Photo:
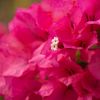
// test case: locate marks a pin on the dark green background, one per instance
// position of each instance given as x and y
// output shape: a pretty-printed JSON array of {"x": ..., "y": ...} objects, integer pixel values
[{"x": 8, "y": 8}]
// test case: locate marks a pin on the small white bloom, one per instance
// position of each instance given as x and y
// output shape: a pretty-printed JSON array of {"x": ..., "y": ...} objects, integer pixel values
[
  {"x": 54, "y": 43},
  {"x": 55, "y": 40}
]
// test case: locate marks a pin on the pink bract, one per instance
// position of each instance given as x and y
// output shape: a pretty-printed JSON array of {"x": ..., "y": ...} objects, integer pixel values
[{"x": 52, "y": 52}]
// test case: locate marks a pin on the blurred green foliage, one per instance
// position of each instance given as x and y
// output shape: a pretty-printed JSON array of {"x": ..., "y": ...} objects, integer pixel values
[
  {"x": 8, "y": 8},
  {"x": 1, "y": 98}
]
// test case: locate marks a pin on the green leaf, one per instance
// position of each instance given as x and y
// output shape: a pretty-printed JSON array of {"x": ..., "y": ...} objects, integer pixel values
[{"x": 78, "y": 54}]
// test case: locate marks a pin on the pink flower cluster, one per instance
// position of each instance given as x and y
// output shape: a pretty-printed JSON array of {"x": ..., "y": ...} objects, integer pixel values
[{"x": 52, "y": 52}]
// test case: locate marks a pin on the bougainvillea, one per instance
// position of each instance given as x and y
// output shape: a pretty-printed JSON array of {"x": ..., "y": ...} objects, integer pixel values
[{"x": 52, "y": 52}]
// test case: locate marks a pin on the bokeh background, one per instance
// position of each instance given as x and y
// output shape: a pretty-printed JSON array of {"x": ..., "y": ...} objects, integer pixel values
[{"x": 8, "y": 8}]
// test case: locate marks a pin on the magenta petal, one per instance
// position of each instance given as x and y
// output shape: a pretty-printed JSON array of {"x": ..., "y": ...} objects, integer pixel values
[
  {"x": 62, "y": 29},
  {"x": 94, "y": 66},
  {"x": 61, "y": 92},
  {"x": 59, "y": 8},
  {"x": 35, "y": 96},
  {"x": 91, "y": 84},
  {"x": 44, "y": 19},
  {"x": 13, "y": 57},
  {"x": 22, "y": 30},
  {"x": 24, "y": 27},
  {"x": 58, "y": 93}
]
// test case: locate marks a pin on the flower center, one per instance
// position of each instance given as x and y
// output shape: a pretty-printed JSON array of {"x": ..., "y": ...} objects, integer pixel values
[{"x": 54, "y": 43}]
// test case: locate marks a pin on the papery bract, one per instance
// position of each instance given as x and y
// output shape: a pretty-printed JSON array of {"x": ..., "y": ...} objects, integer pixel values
[{"x": 52, "y": 52}]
